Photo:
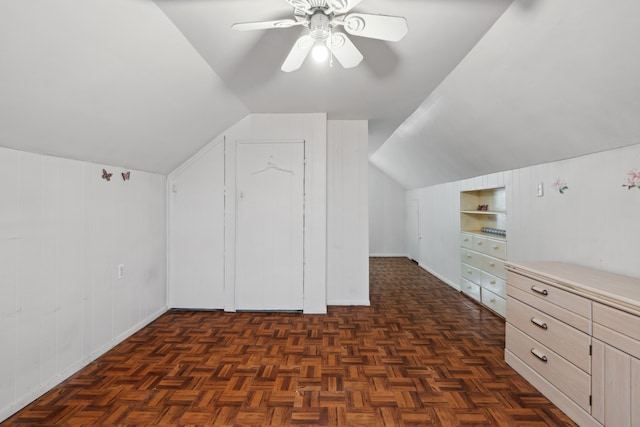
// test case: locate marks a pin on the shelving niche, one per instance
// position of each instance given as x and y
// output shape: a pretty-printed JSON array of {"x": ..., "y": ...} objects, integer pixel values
[
  {"x": 482, "y": 254},
  {"x": 472, "y": 219}
]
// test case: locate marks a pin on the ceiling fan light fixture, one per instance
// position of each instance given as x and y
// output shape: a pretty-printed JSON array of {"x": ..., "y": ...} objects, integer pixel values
[{"x": 320, "y": 51}]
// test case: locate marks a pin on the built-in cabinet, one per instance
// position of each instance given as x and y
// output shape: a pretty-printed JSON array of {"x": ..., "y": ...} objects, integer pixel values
[
  {"x": 616, "y": 366},
  {"x": 574, "y": 333},
  {"x": 483, "y": 247}
]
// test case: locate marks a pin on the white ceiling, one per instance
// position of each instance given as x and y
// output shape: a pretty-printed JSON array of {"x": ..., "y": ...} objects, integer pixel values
[
  {"x": 390, "y": 83},
  {"x": 144, "y": 84},
  {"x": 107, "y": 81},
  {"x": 553, "y": 79}
]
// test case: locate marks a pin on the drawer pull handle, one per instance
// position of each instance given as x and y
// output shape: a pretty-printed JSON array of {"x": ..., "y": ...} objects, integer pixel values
[
  {"x": 479, "y": 243},
  {"x": 466, "y": 240},
  {"x": 469, "y": 256},
  {"x": 493, "y": 282},
  {"x": 495, "y": 246},
  {"x": 468, "y": 286},
  {"x": 539, "y": 323},
  {"x": 492, "y": 300},
  {"x": 492, "y": 264},
  {"x": 539, "y": 291},
  {"x": 539, "y": 355}
]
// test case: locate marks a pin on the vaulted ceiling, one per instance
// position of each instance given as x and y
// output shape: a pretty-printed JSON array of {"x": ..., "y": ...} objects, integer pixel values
[{"x": 476, "y": 86}]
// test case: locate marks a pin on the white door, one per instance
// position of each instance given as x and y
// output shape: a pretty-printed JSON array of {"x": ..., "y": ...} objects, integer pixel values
[
  {"x": 413, "y": 232},
  {"x": 269, "y": 226}
]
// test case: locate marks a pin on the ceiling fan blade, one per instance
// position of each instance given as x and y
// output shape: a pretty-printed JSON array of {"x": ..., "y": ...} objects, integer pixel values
[
  {"x": 344, "y": 50},
  {"x": 382, "y": 27},
  {"x": 304, "y": 6},
  {"x": 298, "y": 53},
  {"x": 340, "y": 7},
  {"x": 265, "y": 25}
]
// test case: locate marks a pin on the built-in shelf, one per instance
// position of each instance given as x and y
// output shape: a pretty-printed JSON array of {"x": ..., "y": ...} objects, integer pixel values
[
  {"x": 483, "y": 254},
  {"x": 484, "y": 212}
]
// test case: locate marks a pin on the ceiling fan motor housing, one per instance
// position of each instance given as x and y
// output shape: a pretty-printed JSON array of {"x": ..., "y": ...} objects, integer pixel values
[{"x": 319, "y": 25}]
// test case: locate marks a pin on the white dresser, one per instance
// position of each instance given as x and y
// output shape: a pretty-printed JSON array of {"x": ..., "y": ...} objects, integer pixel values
[{"x": 574, "y": 333}]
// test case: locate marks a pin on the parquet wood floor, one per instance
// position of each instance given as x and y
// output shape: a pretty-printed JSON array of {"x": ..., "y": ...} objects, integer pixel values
[{"x": 421, "y": 355}]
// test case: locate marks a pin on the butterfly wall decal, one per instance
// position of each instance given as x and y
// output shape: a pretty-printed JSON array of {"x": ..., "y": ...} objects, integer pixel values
[
  {"x": 126, "y": 175},
  {"x": 106, "y": 175}
]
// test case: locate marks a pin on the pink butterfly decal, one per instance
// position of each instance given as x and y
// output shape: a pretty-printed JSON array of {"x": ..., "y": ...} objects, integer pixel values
[
  {"x": 126, "y": 175},
  {"x": 106, "y": 175}
]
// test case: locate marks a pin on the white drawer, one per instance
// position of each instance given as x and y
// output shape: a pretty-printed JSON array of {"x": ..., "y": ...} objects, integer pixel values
[
  {"x": 617, "y": 320},
  {"x": 551, "y": 294},
  {"x": 568, "y": 342},
  {"x": 581, "y": 323},
  {"x": 466, "y": 240},
  {"x": 493, "y": 266},
  {"x": 496, "y": 248},
  {"x": 617, "y": 328},
  {"x": 470, "y": 257},
  {"x": 494, "y": 302},
  {"x": 495, "y": 284},
  {"x": 470, "y": 273},
  {"x": 568, "y": 378},
  {"x": 479, "y": 243},
  {"x": 470, "y": 289}
]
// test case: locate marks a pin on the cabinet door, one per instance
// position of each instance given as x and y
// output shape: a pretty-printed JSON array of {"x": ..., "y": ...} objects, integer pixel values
[{"x": 615, "y": 386}]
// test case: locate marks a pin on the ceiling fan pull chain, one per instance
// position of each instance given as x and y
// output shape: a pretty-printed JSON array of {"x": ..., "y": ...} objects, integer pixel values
[{"x": 330, "y": 50}]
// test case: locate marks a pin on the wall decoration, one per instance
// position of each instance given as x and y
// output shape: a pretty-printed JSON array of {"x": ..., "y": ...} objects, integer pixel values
[
  {"x": 126, "y": 175},
  {"x": 633, "y": 179},
  {"x": 106, "y": 175},
  {"x": 560, "y": 185}
]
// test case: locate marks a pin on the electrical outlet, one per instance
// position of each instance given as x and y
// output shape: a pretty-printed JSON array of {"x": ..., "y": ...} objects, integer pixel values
[
  {"x": 120, "y": 271},
  {"x": 540, "y": 189}
]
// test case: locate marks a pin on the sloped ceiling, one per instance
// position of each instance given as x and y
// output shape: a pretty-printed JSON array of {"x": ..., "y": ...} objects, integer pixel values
[
  {"x": 390, "y": 83},
  {"x": 553, "y": 79},
  {"x": 145, "y": 84},
  {"x": 471, "y": 90},
  {"x": 107, "y": 81}
]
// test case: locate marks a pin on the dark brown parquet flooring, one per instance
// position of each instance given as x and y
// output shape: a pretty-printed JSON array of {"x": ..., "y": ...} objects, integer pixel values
[{"x": 421, "y": 355}]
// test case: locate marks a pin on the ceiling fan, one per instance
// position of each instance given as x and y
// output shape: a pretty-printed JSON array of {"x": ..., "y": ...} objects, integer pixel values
[{"x": 320, "y": 19}]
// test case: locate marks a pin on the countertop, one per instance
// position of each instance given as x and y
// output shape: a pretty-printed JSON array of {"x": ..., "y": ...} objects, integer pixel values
[{"x": 622, "y": 292}]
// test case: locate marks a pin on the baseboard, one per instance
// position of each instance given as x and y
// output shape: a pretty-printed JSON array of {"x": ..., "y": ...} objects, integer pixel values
[
  {"x": 454, "y": 285},
  {"x": 358, "y": 302},
  {"x": 315, "y": 310},
  {"x": 46, "y": 386},
  {"x": 388, "y": 256}
]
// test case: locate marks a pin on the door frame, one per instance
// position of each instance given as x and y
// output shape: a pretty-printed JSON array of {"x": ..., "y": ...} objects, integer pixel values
[
  {"x": 413, "y": 235},
  {"x": 234, "y": 195},
  {"x": 315, "y": 214}
]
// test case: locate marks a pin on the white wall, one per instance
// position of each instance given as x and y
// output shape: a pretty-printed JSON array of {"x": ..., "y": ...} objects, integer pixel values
[
  {"x": 203, "y": 182},
  {"x": 347, "y": 213},
  {"x": 336, "y": 226},
  {"x": 595, "y": 223},
  {"x": 439, "y": 228},
  {"x": 63, "y": 232},
  {"x": 196, "y": 236},
  {"x": 387, "y": 215}
]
